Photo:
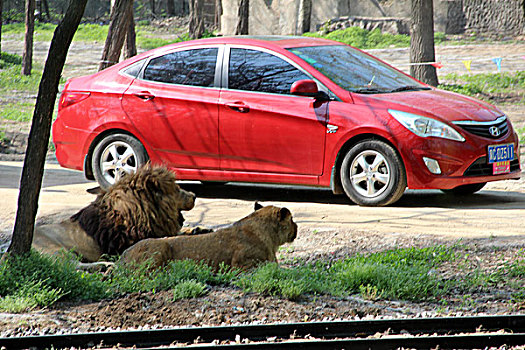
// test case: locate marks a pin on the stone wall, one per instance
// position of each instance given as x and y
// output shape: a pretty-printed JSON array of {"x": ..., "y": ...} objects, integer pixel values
[{"x": 287, "y": 17}]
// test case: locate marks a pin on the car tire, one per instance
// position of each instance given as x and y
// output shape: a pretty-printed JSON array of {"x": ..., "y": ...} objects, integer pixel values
[
  {"x": 465, "y": 190},
  {"x": 373, "y": 174},
  {"x": 116, "y": 155}
]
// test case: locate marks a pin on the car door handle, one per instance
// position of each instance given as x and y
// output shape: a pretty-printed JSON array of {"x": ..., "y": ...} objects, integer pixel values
[
  {"x": 238, "y": 107},
  {"x": 145, "y": 95}
]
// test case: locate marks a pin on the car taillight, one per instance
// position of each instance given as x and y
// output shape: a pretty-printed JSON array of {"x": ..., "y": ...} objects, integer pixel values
[{"x": 69, "y": 98}]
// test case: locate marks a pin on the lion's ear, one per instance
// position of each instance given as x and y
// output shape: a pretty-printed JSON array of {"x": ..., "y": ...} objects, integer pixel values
[
  {"x": 257, "y": 206},
  {"x": 96, "y": 190},
  {"x": 283, "y": 213}
]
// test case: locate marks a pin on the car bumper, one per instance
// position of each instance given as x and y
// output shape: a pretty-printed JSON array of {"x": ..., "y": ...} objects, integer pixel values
[
  {"x": 70, "y": 144},
  {"x": 460, "y": 163}
]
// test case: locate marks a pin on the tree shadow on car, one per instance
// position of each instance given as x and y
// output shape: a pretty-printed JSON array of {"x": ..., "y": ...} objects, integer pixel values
[{"x": 485, "y": 199}]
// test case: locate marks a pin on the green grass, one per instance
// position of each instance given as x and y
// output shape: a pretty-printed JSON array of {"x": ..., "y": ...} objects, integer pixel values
[
  {"x": 37, "y": 280},
  {"x": 400, "y": 274},
  {"x": 366, "y": 39},
  {"x": 486, "y": 84},
  {"x": 21, "y": 112},
  {"x": 86, "y": 32}
]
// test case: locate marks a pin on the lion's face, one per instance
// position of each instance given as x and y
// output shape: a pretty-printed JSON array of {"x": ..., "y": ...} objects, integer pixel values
[{"x": 281, "y": 218}]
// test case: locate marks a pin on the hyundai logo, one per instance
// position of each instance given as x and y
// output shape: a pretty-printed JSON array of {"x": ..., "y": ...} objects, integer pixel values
[{"x": 494, "y": 131}]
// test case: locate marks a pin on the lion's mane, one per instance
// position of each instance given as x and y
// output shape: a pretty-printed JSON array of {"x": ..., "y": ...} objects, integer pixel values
[{"x": 142, "y": 205}]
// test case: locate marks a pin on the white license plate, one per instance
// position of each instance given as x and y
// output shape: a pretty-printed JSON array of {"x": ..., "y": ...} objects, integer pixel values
[{"x": 500, "y": 153}]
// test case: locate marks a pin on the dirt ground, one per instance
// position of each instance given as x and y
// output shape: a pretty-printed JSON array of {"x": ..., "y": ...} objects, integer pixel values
[{"x": 329, "y": 227}]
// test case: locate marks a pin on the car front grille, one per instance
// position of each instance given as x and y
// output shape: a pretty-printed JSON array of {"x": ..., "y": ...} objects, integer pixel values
[
  {"x": 481, "y": 168},
  {"x": 492, "y": 130}
]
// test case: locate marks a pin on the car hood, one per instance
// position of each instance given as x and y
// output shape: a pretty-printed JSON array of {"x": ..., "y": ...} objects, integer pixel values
[{"x": 444, "y": 105}]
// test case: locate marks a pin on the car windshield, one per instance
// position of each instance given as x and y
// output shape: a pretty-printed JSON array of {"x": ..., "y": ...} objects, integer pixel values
[{"x": 356, "y": 71}]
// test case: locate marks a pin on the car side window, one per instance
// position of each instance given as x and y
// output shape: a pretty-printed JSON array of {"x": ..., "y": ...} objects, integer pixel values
[
  {"x": 191, "y": 67},
  {"x": 253, "y": 70}
]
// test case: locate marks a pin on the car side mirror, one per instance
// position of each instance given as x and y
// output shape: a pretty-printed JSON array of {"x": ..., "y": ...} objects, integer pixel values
[{"x": 308, "y": 88}]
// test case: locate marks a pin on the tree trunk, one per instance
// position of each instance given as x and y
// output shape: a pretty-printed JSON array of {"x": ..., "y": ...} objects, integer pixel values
[
  {"x": 27, "y": 56},
  {"x": 305, "y": 16},
  {"x": 1, "y": 7},
  {"x": 152, "y": 6},
  {"x": 118, "y": 26},
  {"x": 196, "y": 25},
  {"x": 31, "y": 180},
  {"x": 243, "y": 14},
  {"x": 130, "y": 45},
  {"x": 422, "y": 42},
  {"x": 218, "y": 13},
  {"x": 170, "y": 7}
]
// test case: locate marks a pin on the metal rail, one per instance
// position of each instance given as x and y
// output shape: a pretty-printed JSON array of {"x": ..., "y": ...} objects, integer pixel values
[{"x": 445, "y": 332}]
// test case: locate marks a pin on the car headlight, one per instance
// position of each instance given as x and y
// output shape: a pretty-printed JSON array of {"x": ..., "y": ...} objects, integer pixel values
[{"x": 426, "y": 127}]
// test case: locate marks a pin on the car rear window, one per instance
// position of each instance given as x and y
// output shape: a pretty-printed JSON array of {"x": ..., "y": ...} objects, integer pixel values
[{"x": 191, "y": 67}]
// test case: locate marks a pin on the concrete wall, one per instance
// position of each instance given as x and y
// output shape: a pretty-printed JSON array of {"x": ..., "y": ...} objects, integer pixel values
[{"x": 283, "y": 17}]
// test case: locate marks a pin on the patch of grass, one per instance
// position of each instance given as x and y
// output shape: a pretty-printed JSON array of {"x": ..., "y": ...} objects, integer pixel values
[
  {"x": 11, "y": 80},
  {"x": 7, "y": 59},
  {"x": 486, "y": 83},
  {"x": 521, "y": 134},
  {"x": 142, "y": 278},
  {"x": 22, "y": 112},
  {"x": 365, "y": 39},
  {"x": 188, "y": 289},
  {"x": 399, "y": 274},
  {"x": 396, "y": 274},
  {"x": 39, "y": 280}
]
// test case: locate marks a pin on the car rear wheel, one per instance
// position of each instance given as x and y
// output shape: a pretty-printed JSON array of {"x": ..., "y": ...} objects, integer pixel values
[
  {"x": 373, "y": 174},
  {"x": 115, "y": 156},
  {"x": 465, "y": 190}
]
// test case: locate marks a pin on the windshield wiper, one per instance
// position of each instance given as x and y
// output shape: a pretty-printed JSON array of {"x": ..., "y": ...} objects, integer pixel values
[
  {"x": 369, "y": 91},
  {"x": 410, "y": 88}
]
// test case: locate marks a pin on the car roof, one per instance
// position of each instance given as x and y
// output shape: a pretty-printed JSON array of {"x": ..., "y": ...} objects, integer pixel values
[{"x": 268, "y": 41}]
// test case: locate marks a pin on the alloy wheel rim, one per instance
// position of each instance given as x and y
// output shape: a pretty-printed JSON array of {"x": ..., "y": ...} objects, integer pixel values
[
  {"x": 117, "y": 160},
  {"x": 370, "y": 174}
]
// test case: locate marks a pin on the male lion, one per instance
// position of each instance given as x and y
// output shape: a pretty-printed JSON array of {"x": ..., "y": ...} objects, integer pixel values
[
  {"x": 142, "y": 205},
  {"x": 249, "y": 241}
]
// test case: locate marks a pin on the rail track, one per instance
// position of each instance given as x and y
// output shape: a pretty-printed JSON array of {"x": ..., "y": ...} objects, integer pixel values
[{"x": 421, "y": 333}]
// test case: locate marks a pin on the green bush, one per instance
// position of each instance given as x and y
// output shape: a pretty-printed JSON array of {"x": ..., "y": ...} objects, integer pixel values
[{"x": 40, "y": 280}]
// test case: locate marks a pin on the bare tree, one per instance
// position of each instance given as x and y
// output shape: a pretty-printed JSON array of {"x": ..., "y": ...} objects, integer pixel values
[
  {"x": 243, "y": 14},
  {"x": 33, "y": 170},
  {"x": 130, "y": 45},
  {"x": 27, "y": 56},
  {"x": 118, "y": 27},
  {"x": 170, "y": 7},
  {"x": 1, "y": 8},
  {"x": 422, "y": 42},
  {"x": 196, "y": 25}
]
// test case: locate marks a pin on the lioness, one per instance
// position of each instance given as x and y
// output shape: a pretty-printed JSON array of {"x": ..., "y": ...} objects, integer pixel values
[
  {"x": 244, "y": 244},
  {"x": 142, "y": 205}
]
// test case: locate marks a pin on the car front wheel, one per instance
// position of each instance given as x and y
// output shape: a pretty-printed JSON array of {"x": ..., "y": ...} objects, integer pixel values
[
  {"x": 115, "y": 156},
  {"x": 373, "y": 174}
]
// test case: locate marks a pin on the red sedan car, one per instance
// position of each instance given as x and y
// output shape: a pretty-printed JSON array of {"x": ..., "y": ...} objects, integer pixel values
[{"x": 288, "y": 110}]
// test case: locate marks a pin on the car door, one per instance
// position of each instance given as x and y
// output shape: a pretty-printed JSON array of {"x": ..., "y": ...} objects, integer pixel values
[
  {"x": 173, "y": 105},
  {"x": 262, "y": 127}
]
